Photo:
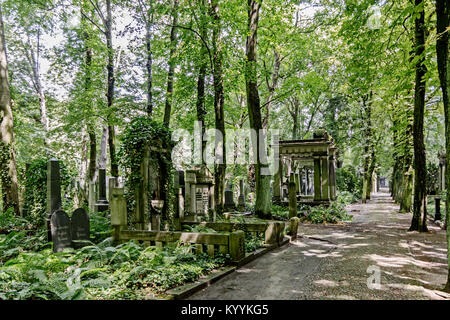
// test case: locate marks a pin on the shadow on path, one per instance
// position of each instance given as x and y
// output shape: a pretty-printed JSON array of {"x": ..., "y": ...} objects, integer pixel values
[{"x": 337, "y": 261}]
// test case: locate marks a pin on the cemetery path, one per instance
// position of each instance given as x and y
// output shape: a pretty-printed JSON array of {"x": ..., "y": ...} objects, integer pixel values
[{"x": 338, "y": 261}]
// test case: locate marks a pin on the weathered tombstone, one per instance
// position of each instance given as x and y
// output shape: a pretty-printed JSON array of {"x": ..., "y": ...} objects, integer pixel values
[
  {"x": 241, "y": 198},
  {"x": 60, "y": 231},
  {"x": 102, "y": 203},
  {"x": 118, "y": 212},
  {"x": 229, "y": 202},
  {"x": 273, "y": 233},
  {"x": 80, "y": 227},
  {"x": 113, "y": 182},
  {"x": 53, "y": 192},
  {"x": 237, "y": 245}
]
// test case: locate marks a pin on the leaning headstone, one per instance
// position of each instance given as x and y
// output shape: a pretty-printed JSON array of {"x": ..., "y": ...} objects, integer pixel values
[
  {"x": 80, "y": 228},
  {"x": 53, "y": 192},
  {"x": 60, "y": 231}
]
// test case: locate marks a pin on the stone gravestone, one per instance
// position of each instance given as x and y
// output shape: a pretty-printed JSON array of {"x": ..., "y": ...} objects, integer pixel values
[
  {"x": 80, "y": 227},
  {"x": 102, "y": 203},
  {"x": 229, "y": 202},
  {"x": 53, "y": 192},
  {"x": 61, "y": 231}
]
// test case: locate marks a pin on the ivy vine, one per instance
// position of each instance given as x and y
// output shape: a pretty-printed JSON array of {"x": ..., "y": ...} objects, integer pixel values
[
  {"x": 139, "y": 133},
  {"x": 35, "y": 182}
]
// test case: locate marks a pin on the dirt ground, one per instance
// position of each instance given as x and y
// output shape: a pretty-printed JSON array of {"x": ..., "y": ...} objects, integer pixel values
[{"x": 373, "y": 257}]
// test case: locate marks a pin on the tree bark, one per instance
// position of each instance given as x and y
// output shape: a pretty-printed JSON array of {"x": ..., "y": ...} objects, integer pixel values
[
  {"x": 262, "y": 204},
  {"x": 110, "y": 92},
  {"x": 443, "y": 62},
  {"x": 200, "y": 104},
  {"x": 418, "y": 222},
  {"x": 149, "y": 63},
  {"x": 8, "y": 168},
  {"x": 219, "y": 99},
  {"x": 173, "y": 45}
]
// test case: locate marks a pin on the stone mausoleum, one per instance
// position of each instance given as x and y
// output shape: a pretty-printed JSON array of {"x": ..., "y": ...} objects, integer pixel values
[{"x": 313, "y": 163}]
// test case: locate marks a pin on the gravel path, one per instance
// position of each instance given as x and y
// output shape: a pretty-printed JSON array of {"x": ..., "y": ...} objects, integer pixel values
[{"x": 336, "y": 261}]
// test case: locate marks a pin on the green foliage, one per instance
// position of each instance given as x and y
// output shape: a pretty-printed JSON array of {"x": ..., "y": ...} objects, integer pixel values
[
  {"x": 10, "y": 222},
  {"x": 35, "y": 183},
  {"x": 100, "y": 226},
  {"x": 347, "y": 179},
  {"x": 432, "y": 178},
  {"x": 344, "y": 198},
  {"x": 140, "y": 133},
  {"x": 334, "y": 213},
  {"x": 101, "y": 271},
  {"x": 279, "y": 212},
  {"x": 198, "y": 228}
]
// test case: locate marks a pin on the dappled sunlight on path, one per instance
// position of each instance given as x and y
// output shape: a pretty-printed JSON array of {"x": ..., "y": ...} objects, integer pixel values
[{"x": 341, "y": 261}]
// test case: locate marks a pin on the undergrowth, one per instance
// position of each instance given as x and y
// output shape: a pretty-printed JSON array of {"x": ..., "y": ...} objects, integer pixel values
[{"x": 101, "y": 271}]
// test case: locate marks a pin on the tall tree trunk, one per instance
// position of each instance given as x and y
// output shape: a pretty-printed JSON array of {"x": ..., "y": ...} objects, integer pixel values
[
  {"x": 92, "y": 155},
  {"x": 33, "y": 58},
  {"x": 92, "y": 162},
  {"x": 173, "y": 45},
  {"x": 200, "y": 104},
  {"x": 443, "y": 61},
  {"x": 149, "y": 63},
  {"x": 262, "y": 205},
  {"x": 294, "y": 114},
  {"x": 8, "y": 171},
  {"x": 366, "y": 116},
  {"x": 110, "y": 92},
  {"x": 271, "y": 87},
  {"x": 419, "y": 220},
  {"x": 370, "y": 139},
  {"x": 219, "y": 99}
]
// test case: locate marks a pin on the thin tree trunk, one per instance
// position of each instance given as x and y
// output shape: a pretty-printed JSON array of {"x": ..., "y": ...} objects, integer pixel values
[
  {"x": 33, "y": 60},
  {"x": 110, "y": 92},
  {"x": 173, "y": 45},
  {"x": 262, "y": 204},
  {"x": 219, "y": 99},
  {"x": 420, "y": 197},
  {"x": 443, "y": 62},
  {"x": 272, "y": 86},
  {"x": 200, "y": 104},
  {"x": 370, "y": 138},
  {"x": 92, "y": 155},
  {"x": 149, "y": 64},
  {"x": 8, "y": 171},
  {"x": 149, "y": 73}
]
